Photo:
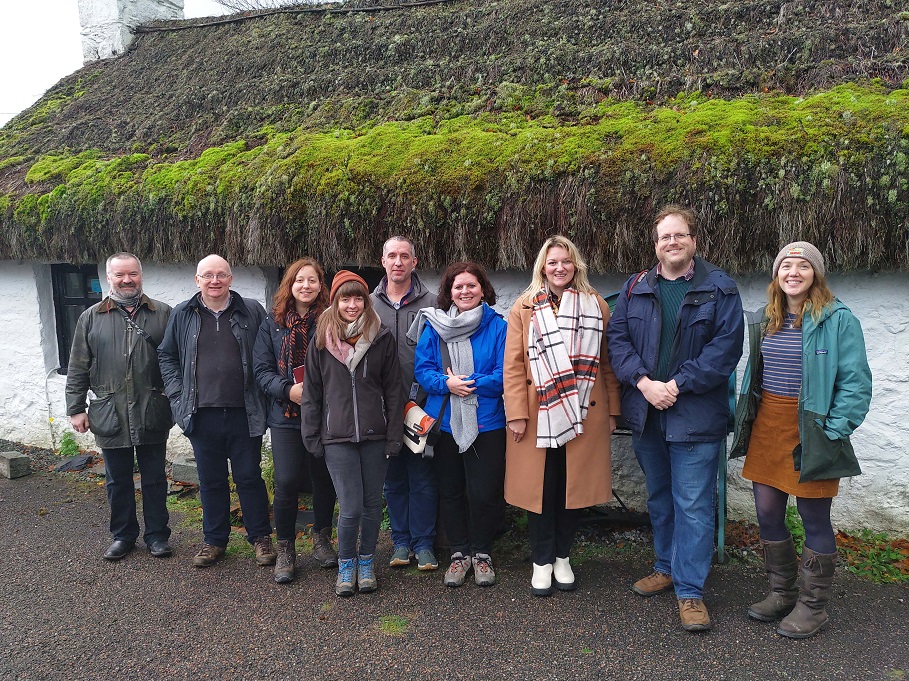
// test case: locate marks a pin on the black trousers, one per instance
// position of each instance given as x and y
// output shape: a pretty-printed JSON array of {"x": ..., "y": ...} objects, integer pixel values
[
  {"x": 471, "y": 490},
  {"x": 294, "y": 468},
  {"x": 121, "y": 492},
  {"x": 552, "y": 531}
]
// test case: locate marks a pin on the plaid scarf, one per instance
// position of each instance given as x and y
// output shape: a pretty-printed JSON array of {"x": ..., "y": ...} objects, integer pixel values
[
  {"x": 564, "y": 352},
  {"x": 293, "y": 350}
]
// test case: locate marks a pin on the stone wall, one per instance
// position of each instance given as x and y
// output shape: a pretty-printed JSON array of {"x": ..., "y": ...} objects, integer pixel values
[{"x": 107, "y": 25}]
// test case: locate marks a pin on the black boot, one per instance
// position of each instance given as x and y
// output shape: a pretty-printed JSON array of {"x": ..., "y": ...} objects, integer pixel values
[
  {"x": 782, "y": 565},
  {"x": 809, "y": 615}
]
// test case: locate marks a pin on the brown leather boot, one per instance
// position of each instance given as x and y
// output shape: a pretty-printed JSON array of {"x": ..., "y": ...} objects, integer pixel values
[
  {"x": 809, "y": 615},
  {"x": 286, "y": 563},
  {"x": 322, "y": 551},
  {"x": 782, "y": 565}
]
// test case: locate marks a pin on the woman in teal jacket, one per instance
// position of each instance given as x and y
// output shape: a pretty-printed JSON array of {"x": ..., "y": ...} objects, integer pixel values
[{"x": 806, "y": 389}]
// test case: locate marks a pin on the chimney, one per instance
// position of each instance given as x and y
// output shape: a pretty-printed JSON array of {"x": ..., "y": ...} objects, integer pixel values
[{"x": 107, "y": 25}]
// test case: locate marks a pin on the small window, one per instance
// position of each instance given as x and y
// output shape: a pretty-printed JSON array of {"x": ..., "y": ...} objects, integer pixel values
[{"x": 76, "y": 288}]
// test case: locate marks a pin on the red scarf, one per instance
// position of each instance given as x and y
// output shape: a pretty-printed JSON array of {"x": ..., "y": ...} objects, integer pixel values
[{"x": 293, "y": 350}]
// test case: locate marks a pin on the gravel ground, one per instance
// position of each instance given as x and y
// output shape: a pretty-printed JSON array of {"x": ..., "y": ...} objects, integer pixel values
[{"x": 66, "y": 614}]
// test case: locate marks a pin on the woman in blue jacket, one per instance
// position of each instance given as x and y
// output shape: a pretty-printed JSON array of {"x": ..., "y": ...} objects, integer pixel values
[
  {"x": 469, "y": 458},
  {"x": 278, "y": 358},
  {"x": 806, "y": 388}
]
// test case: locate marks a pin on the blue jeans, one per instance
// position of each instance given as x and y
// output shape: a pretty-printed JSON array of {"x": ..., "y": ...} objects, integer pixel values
[
  {"x": 218, "y": 435},
  {"x": 121, "y": 492},
  {"x": 681, "y": 501},
  {"x": 412, "y": 497},
  {"x": 357, "y": 470}
]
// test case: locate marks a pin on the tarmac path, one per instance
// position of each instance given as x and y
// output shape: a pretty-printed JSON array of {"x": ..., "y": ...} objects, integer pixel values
[{"x": 66, "y": 614}]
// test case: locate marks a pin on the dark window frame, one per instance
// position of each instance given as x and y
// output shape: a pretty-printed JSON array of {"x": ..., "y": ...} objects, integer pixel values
[{"x": 64, "y": 299}]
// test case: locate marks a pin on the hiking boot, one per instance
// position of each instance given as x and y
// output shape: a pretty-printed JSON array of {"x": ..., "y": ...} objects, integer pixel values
[
  {"x": 782, "y": 565},
  {"x": 285, "y": 565},
  {"x": 401, "y": 557},
  {"x": 563, "y": 575},
  {"x": 694, "y": 614},
  {"x": 322, "y": 551},
  {"x": 347, "y": 577},
  {"x": 809, "y": 615},
  {"x": 208, "y": 555},
  {"x": 426, "y": 560},
  {"x": 653, "y": 584},
  {"x": 457, "y": 571},
  {"x": 366, "y": 574},
  {"x": 483, "y": 574},
  {"x": 265, "y": 551}
]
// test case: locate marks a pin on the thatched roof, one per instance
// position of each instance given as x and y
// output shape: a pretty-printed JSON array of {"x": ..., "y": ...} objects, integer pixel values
[{"x": 479, "y": 129}]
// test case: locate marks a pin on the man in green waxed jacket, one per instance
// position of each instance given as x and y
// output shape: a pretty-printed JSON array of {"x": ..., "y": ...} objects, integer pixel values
[{"x": 114, "y": 355}]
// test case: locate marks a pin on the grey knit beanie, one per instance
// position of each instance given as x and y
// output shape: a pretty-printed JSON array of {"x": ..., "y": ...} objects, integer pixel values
[{"x": 803, "y": 250}]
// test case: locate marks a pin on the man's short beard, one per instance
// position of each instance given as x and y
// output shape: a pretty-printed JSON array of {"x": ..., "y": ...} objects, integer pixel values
[{"x": 128, "y": 301}]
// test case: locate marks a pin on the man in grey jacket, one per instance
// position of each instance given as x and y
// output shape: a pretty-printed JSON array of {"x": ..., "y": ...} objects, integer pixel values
[
  {"x": 411, "y": 493},
  {"x": 114, "y": 355},
  {"x": 207, "y": 365}
]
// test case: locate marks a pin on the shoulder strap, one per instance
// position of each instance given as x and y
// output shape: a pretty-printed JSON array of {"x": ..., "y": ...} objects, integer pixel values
[
  {"x": 636, "y": 281},
  {"x": 446, "y": 361},
  {"x": 138, "y": 329}
]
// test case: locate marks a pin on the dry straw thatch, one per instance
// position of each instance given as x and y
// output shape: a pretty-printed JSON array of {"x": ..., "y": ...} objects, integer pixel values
[{"x": 480, "y": 128}]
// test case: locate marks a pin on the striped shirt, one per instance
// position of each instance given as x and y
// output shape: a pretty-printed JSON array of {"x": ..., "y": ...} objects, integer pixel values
[{"x": 782, "y": 352}]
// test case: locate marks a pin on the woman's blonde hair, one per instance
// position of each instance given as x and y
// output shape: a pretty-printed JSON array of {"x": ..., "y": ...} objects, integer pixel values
[
  {"x": 538, "y": 280},
  {"x": 331, "y": 320},
  {"x": 819, "y": 296}
]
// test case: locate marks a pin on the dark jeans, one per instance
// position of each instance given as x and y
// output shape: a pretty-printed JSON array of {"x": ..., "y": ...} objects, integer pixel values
[
  {"x": 294, "y": 467},
  {"x": 219, "y": 434},
  {"x": 413, "y": 499},
  {"x": 471, "y": 490},
  {"x": 552, "y": 531},
  {"x": 358, "y": 469},
  {"x": 121, "y": 493}
]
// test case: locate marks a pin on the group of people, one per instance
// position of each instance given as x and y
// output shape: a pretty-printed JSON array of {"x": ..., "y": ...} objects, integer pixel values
[{"x": 525, "y": 412}]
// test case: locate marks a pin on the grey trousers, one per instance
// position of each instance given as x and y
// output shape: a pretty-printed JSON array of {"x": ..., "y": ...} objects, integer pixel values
[{"x": 358, "y": 472}]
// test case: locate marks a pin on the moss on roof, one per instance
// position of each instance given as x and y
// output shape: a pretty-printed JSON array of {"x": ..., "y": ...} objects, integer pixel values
[{"x": 479, "y": 129}]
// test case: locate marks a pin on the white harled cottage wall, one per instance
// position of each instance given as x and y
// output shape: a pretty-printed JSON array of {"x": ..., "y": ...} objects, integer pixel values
[
  {"x": 33, "y": 392},
  {"x": 107, "y": 25}
]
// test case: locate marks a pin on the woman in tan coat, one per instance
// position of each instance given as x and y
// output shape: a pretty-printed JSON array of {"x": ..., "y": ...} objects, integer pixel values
[{"x": 561, "y": 402}]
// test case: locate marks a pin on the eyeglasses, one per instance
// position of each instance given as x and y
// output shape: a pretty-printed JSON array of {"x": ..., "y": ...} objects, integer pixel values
[
  {"x": 666, "y": 238},
  {"x": 218, "y": 276}
]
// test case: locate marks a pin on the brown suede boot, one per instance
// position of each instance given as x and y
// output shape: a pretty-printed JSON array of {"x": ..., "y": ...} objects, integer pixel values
[
  {"x": 782, "y": 565},
  {"x": 809, "y": 616},
  {"x": 322, "y": 551},
  {"x": 286, "y": 564}
]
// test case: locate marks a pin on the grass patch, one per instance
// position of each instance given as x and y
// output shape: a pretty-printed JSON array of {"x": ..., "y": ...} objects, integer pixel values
[
  {"x": 875, "y": 555},
  {"x": 393, "y": 625},
  {"x": 189, "y": 508}
]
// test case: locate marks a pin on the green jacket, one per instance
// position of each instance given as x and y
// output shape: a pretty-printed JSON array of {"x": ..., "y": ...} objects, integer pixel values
[
  {"x": 121, "y": 368},
  {"x": 833, "y": 401}
]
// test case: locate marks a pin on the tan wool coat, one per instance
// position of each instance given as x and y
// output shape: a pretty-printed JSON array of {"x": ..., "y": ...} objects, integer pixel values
[{"x": 588, "y": 456}]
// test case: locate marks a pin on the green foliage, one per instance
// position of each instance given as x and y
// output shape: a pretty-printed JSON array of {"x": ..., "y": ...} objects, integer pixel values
[
  {"x": 796, "y": 529},
  {"x": 875, "y": 555},
  {"x": 68, "y": 446},
  {"x": 393, "y": 625},
  {"x": 268, "y": 472}
]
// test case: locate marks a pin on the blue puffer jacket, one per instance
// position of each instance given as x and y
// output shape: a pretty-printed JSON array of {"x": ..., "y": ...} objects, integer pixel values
[
  {"x": 706, "y": 349},
  {"x": 488, "y": 343}
]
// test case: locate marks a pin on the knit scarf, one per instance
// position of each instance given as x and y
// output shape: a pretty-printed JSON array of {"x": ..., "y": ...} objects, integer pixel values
[
  {"x": 293, "y": 350},
  {"x": 126, "y": 301},
  {"x": 344, "y": 352},
  {"x": 455, "y": 331},
  {"x": 564, "y": 353}
]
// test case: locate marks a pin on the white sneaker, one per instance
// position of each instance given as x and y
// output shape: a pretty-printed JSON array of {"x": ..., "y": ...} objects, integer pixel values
[
  {"x": 541, "y": 581},
  {"x": 563, "y": 575}
]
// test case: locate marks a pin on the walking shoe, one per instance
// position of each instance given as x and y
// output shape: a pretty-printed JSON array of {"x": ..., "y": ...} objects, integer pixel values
[
  {"x": 347, "y": 577},
  {"x": 541, "y": 581},
  {"x": 483, "y": 574},
  {"x": 265, "y": 551},
  {"x": 426, "y": 560},
  {"x": 652, "y": 584},
  {"x": 401, "y": 557},
  {"x": 322, "y": 551},
  {"x": 457, "y": 571},
  {"x": 563, "y": 575},
  {"x": 366, "y": 574},
  {"x": 694, "y": 614},
  {"x": 208, "y": 555},
  {"x": 285, "y": 566}
]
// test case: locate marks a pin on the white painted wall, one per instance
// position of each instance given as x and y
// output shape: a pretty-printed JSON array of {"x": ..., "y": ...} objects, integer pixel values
[
  {"x": 107, "y": 25},
  {"x": 878, "y": 499}
]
